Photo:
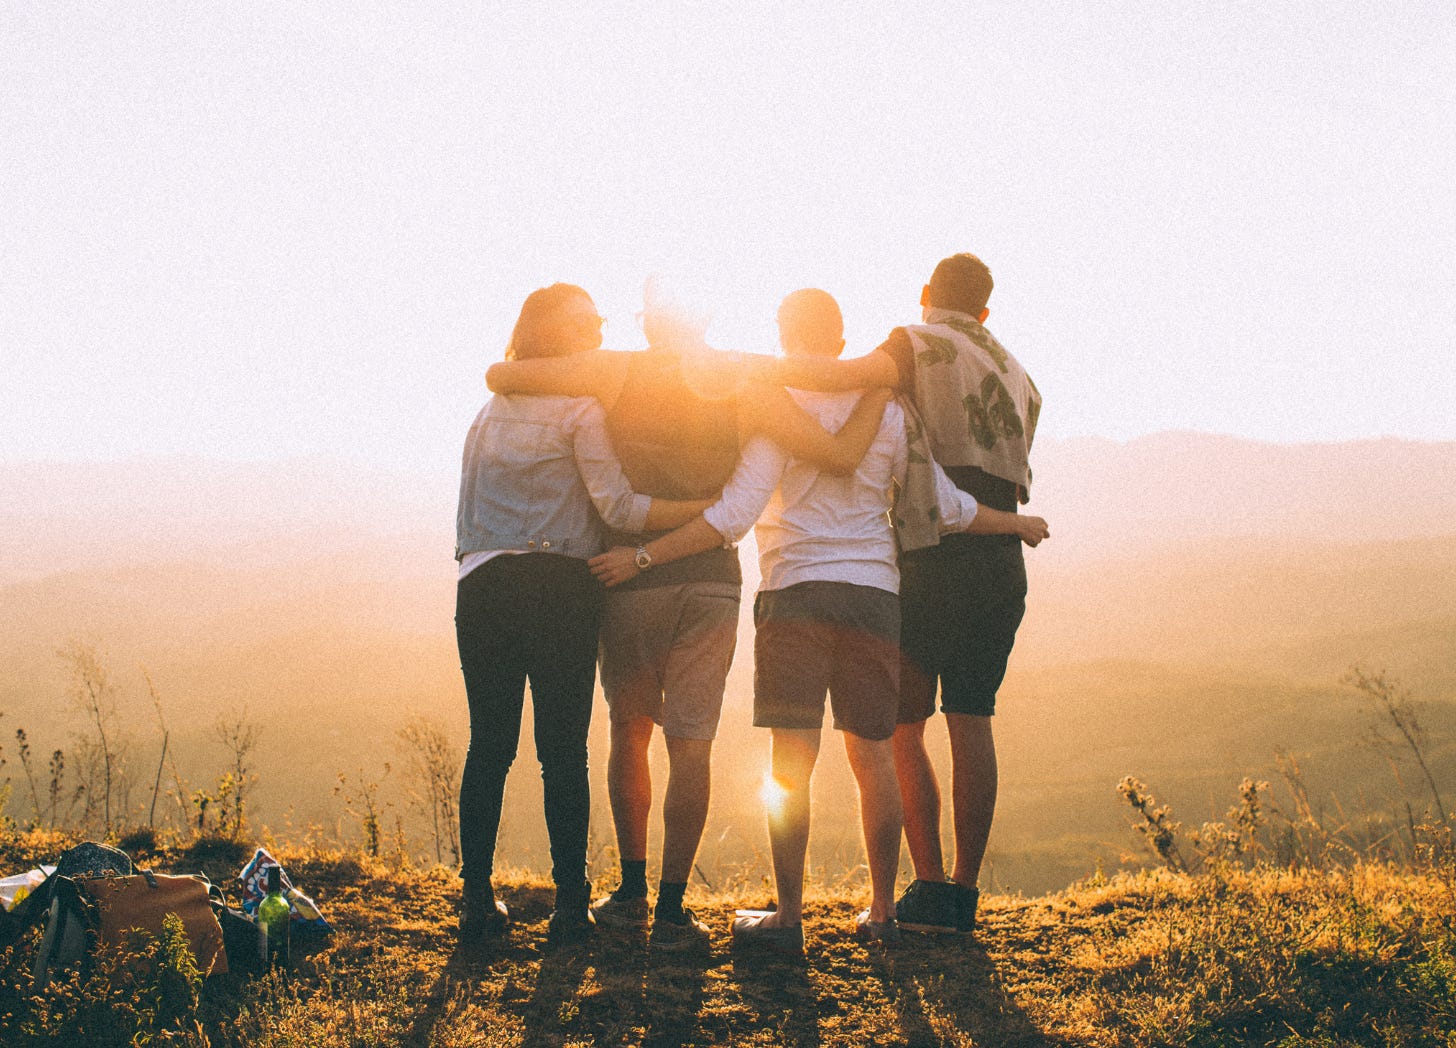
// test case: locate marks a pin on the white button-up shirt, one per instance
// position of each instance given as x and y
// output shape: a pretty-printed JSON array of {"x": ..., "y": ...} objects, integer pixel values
[{"x": 816, "y": 527}]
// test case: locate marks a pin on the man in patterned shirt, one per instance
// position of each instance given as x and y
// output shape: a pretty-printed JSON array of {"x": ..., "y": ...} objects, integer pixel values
[{"x": 963, "y": 599}]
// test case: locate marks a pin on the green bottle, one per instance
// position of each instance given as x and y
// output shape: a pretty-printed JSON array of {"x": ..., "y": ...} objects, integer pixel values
[{"x": 274, "y": 917}]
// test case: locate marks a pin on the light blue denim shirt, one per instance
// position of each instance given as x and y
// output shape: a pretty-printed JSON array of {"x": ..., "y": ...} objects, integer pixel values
[{"x": 536, "y": 473}]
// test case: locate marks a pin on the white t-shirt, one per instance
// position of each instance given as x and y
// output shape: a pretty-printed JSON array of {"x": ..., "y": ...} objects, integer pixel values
[
  {"x": 471, "y": 561},
  {"x": 813, "y": 526}
]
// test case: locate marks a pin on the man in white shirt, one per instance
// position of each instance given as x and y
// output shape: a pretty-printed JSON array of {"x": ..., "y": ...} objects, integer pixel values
[{"x": 827, "y": 617}]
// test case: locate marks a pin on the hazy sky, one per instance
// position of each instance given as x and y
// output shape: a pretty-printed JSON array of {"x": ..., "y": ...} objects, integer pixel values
[{"x": 263, "y": 231}]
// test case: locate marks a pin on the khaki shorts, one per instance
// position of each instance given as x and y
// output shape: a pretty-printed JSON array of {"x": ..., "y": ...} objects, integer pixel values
[{"x": 665, "y": 653}]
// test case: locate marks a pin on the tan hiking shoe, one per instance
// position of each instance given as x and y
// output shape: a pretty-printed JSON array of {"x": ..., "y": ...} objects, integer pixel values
[
  {"x": 614, "y": 912},
  {"x": 685, "y": 934}
]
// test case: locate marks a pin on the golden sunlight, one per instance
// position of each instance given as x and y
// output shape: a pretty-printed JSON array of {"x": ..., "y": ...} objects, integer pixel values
[{"x": 773, "y": 795}]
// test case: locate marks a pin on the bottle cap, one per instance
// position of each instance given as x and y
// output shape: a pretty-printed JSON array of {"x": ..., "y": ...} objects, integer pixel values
[{"x": 275, "y": 878}]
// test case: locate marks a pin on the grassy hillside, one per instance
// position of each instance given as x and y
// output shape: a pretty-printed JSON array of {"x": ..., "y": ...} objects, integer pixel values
[
  {"x": 1188, "y": 671},
  {"x": 1185, "y": 631},
  {"x": 1363, "y": 956}
]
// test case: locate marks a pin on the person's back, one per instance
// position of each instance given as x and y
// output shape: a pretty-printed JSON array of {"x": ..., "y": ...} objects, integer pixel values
[
  {"x": 537, "y": 481},
  {"x": 962, "y": 599},
  {"x": 830, "y": 528},
  {"x": 826, "y": 622},
  {"x": 817, "y": 526},
  {"x": 674, "y": 441},
  {"x": 979, "y": 406},
  {"x": 668, "y": 635},
  {"x": 521, "y": 485},
  {"x": 669, "y": 436}
]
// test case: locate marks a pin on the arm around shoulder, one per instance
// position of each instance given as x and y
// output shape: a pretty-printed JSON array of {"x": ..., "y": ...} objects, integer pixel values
[
  {"x": 828, "y": 375},
  {"x": 770, "y": 411},
  {"x": 987, "y": 521},
  {"x": 598, "y": 373},
  {"x": 619, "y": 564}
]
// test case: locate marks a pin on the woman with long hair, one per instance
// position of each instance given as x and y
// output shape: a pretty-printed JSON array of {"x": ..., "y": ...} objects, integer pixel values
[{"x": 538, "y": 480}]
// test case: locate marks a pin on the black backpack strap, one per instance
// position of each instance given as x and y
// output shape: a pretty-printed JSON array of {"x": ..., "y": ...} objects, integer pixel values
[
  {"x": 70, "y": 933},
  {"x": 30, "y": 911},
  {"x": 73, "y": 897}
]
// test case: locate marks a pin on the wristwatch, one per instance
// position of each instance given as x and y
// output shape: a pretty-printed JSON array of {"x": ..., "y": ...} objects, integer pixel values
[{"x": 643, "y": 558}]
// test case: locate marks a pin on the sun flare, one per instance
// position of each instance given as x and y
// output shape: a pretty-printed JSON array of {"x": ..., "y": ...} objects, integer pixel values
[{"x": 773, "y": 795}]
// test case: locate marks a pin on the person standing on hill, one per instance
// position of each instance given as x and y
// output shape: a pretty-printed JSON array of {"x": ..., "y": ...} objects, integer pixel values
[
  {"x": 827, "y": 616},
  {"x": 963, "y": 599},
  {"x": 535, "y": 474},
  {"x": 676, "y": 420}
]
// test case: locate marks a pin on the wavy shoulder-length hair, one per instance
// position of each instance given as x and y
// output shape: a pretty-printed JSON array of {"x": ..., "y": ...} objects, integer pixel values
[{"x": 537, "y": 333}]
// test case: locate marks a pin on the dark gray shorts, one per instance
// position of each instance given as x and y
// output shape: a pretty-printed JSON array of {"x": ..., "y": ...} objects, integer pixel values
[
  {"x": 961, "y": 604},
  {"x": 835, "y": 637}
]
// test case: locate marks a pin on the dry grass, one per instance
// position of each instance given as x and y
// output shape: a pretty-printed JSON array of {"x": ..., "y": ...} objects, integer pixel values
[{"x": 1363, "y": 956}]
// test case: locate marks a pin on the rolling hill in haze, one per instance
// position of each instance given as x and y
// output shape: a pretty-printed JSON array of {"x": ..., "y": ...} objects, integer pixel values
[
  {"x": 1194, "y": 611},
  {"x": 1104, "y": 497}
]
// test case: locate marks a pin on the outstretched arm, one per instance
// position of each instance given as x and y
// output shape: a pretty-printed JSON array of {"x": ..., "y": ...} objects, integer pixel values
[
  {"x": 607, "y": 485},
  {"x": 833, "y": 376},
  {"x": 672, "y": 513},
  {"x": 727, "y": 520},
  {"x": 769, "y": 411},
  {"x": 619, "y": 563},
  {"x": 1030, "y": 530},
  {"x": 959, "y": 511},
  {"x": 597, "y": 373}
]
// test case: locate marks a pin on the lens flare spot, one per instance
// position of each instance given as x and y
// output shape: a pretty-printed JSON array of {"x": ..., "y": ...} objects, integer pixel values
[{"x": 773, "y": 795}]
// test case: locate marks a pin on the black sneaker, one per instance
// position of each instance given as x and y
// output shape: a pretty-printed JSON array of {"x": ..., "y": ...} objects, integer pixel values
[
  {"x": 483, "y": 919},
  {"x": 571, "y": 921},
  {"x": 967, "y": 900},
  {"x": 571, "y": 925},
  {"x": 931, "y": 906}
]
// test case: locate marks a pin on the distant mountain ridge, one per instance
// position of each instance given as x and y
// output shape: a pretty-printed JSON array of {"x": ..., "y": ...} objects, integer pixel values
[
  {"x": 1171, "y": 488},
  {"x": 1168, "y": 633},
  {"x": 1103, "y": 497}
]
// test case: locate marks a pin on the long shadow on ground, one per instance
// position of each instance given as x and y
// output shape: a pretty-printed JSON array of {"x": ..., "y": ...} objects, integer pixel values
[
  {"x": 779, "y": 995},
  {"x": 612, "y": 989},
  {"x": 648, "y": 994},
  {"x": 937, "y": 987},
  {"x": 510, "y": 963}
]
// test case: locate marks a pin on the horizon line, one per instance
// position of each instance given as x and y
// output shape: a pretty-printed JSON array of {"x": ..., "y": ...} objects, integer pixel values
[{"x": 400, "y": 465}]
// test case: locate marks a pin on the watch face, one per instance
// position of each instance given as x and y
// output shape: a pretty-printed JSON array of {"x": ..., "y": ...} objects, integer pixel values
[{"x": 644, "y": 559}]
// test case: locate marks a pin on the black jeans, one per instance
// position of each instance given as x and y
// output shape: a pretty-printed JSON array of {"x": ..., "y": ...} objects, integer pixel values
[{"x": 520, "y": 616}]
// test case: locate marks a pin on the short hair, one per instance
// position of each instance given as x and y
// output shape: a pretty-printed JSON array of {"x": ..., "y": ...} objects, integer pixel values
[
  {"x": 961, "y": 282},
  {"x": 535, "y": 333},
  {"x": 810, "y": 318},
  {"x": 673, "y": 312}
]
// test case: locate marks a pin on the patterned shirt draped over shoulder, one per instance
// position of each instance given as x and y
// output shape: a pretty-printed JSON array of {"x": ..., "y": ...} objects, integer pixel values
[{"x": 978, "y": 405}]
